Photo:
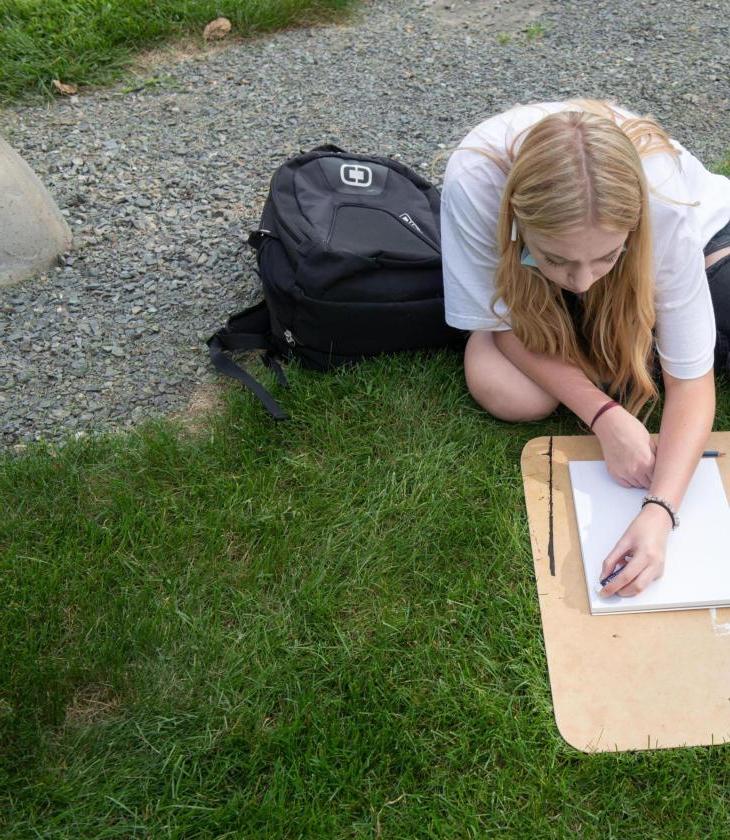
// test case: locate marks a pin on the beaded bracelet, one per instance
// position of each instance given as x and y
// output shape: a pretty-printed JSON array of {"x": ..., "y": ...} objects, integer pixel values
[
  {"x": 604, "y": 407},
  {"x": 655, "y": 500}
]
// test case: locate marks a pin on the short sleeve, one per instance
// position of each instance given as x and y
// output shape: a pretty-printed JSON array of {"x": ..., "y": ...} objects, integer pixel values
[
  {"x": 685, "y": 318},
  {"x": 469, "y": 213}
]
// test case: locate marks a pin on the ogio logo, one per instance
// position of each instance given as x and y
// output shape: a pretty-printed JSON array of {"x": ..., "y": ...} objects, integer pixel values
[
  {"x": 356, "y": 175},
  {"x": 409, "y": 221}
]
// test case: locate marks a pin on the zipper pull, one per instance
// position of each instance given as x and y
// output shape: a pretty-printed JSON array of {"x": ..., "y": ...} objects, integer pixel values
[
  {"x": 256, "y": 237},
  {"x": 289, "y": 338}
]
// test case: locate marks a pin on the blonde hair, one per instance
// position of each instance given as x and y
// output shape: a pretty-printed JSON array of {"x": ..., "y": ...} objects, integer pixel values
[{"x": 577, "y": 169}]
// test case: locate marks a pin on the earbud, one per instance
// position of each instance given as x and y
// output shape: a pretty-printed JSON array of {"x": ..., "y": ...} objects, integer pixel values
[{"x": 526, "y": 258}]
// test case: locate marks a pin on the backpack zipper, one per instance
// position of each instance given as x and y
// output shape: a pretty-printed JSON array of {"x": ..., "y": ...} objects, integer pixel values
[{"x": 414, "y": 229}]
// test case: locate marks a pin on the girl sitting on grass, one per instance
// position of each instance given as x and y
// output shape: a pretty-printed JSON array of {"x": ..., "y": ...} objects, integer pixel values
[{"x": 577, "y": 238}]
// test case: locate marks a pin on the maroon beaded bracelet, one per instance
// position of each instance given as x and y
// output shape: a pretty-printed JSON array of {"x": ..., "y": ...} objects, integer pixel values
[{"x": 600, "y": 411}]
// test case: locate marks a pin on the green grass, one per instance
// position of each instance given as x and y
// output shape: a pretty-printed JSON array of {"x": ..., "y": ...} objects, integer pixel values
[
  {"x": 723, "y": 168},
  {"x": 535, "y": 31},
  {"x": 88, "y": 42},
  {"x": 321, "y": 628}
]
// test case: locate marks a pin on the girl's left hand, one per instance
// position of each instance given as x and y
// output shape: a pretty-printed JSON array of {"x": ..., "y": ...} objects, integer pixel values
[{"x": 646, "y": 541}]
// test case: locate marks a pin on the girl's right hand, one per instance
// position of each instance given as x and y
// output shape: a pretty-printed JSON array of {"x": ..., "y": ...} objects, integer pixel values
[{"x": 628, "y": 448}]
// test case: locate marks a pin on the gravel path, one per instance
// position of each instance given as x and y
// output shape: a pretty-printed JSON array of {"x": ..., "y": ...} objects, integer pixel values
[{"x": 160, "y": 185}]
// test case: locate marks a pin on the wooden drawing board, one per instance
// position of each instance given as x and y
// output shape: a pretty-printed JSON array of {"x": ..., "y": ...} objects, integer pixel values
[{"x": 629, "y": 681}]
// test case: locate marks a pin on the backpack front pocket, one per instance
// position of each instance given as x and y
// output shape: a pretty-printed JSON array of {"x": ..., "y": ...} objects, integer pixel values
[{"x": 372, "y": 231}]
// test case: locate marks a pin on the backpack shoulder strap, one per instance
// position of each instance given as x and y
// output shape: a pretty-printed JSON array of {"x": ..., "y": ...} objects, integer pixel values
[{"x": 248, "y": 330}]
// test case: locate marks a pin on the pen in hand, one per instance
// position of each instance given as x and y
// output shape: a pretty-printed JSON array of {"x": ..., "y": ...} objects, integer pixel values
[
  {"x": 615, "y": 572},
  {"x": 708, "y": 453}
]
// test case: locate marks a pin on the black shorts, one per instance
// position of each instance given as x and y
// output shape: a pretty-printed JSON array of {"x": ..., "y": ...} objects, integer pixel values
[{"x": 718, "y": 277}]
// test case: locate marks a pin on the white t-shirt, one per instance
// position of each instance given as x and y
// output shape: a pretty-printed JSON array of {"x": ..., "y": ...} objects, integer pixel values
[{"x": 471, "y": 196}]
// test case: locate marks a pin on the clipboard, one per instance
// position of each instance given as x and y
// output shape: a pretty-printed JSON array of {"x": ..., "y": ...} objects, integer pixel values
[{"x": 627, "y": 681}]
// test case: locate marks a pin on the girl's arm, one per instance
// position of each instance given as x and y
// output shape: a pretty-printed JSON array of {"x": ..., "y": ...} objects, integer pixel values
[
  {"x": 689, "y": 411},
  {"x": 627, "y": 446},
  {"x": 562, "y": 380}
]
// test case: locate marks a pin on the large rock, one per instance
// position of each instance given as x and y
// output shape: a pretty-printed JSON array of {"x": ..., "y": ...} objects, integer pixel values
[{"x": 32, "y": 230}]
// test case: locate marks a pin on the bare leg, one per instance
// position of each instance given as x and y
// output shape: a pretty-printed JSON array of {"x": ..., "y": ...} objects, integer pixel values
[{"x": 500, "y": 387}]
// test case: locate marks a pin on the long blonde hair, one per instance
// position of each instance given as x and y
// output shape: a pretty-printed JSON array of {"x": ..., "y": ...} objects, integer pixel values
[{"x": 575, "y": 169}]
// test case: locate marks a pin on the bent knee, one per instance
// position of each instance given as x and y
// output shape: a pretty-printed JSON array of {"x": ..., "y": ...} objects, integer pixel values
[
  {"x": 505, "y": 407},
  {"x": 501, "y": 388}
]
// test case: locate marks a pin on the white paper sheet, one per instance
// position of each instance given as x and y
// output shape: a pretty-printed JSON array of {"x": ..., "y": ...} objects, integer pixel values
[{"x": 697, "y": 565}]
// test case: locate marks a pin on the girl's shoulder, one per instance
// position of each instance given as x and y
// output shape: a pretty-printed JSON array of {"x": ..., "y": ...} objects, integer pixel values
[
  {"x": 478, "y": 168},
  {"x": 494, "y": 136},
  {"x": 483, "y": 152}
]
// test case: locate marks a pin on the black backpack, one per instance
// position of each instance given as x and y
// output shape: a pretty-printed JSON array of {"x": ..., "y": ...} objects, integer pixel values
[{"x": 349, "y": 254}]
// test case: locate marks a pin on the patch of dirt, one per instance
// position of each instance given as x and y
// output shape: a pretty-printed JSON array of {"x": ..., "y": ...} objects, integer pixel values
[
  {"x": 91, "y": 704},
  {"x": 193, "y": 46},
  {"x": 205, "y": 401},
  {"x": 496, "y": 15},
  {"x": 181, "y": 49}
]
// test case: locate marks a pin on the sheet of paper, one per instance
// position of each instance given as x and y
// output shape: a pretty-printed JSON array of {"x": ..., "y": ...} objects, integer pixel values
[{"x": 697, "y": 565}]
